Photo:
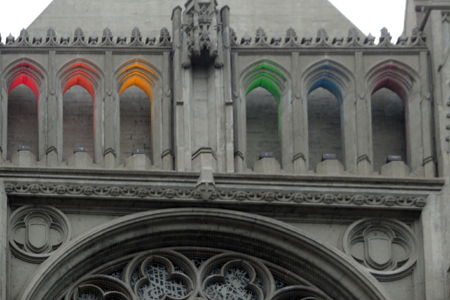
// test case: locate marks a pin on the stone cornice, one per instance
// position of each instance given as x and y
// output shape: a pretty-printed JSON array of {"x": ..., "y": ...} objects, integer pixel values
[{"x": 160, "y": 193}]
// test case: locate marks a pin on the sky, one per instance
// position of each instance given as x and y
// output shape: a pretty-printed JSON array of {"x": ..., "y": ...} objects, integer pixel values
[{"x": 368, "y": 15}]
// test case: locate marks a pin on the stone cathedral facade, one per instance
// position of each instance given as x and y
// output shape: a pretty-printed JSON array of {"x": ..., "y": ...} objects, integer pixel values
[{"x": 264, "y": 150}]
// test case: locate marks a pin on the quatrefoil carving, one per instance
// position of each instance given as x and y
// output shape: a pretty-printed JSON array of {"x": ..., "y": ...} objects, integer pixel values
[
  {"x": 236, "y": 280},
  {"x": 37, "y": 231},
  {"x": 387, "y": 248}
]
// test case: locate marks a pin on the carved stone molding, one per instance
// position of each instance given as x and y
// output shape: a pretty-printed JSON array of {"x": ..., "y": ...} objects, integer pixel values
[
  {"x": 387, "y": 248},
  {"x": 305, "y": 198},
  {"x": 37, "y": 231},
  {"x": 186, "y": 273}
]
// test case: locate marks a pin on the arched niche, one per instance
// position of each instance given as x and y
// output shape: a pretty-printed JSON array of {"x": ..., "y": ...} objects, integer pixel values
[
  {"x": 397, "y": 84},
  {"x": 388, "y": 126},
  {"x": 81, "y": 121},
  {"x": 266, "y": 114},
  {"x": 136, "y": 81},
  {"x": 326, "y": 89},
  {"x": 24, "y": 91},
  {"x": 22, "y": 120},
  {"x": 263, "y": 242}
]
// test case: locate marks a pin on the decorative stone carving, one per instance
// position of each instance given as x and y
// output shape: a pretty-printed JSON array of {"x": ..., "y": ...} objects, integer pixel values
[
  {"x": 192, "y": 274},
  {"x": 37, "y": 231},
  {"x": 202, "y": 26},
  {"x": 306, "y": 198},
  {"x": 387, "y": 248}
]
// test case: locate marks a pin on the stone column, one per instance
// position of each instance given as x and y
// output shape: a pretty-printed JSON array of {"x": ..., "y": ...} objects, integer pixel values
[
  {"x": 434, "y": 235},
  {"x": 167, "y": 143},
  {"x": 227, "y": 91},
  {"x": 110, "y": 157},
  {"x": 43, "y": 121},
  {"x": 3, "y": 114},
  {"x": 178, "y": 91},
  {"x": 54, "y": 130},
  {"x": 429, "y": 168},
  {"x": 363, "y": 120},
  {"x": 240, "y": 126},
  {"x": 300, "y": 165},
  {"x": 4, "y": 244}
]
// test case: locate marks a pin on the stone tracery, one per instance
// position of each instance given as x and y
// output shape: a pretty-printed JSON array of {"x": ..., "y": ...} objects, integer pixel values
[{"x": 172, "y": 274}]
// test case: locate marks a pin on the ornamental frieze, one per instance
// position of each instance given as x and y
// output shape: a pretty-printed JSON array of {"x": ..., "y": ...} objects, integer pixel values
[{"x": 215, "y": 194}]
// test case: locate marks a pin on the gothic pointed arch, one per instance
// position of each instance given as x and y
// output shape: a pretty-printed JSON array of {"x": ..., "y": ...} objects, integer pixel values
[
  {"x": 137, "y": 80},
  {"x": 326, "y": 84},
  {"x": 392, "y": 87},
  {"x": 80, "y": 82},
  {"x": 266, "y": 85},
  {"x": 166, "y": 241},
  {"x": 329, "y": 75},
  {"x": 24, "y": 72},
  {"x": 80, "y": 72}
]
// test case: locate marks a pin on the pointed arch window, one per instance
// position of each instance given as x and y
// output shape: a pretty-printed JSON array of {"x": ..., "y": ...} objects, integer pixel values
[
  {"x": 24, "y": 80},
  {"x": 136, "y": 80},
  {"x": 79, "y": 79},
  {"x": 265, "y": 85}
]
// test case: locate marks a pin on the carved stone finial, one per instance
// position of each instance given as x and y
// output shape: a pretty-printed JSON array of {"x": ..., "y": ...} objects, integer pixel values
[
  {"x": 291, "y": 34},
  {"x": 93, "y": 39},
  {"x": 78, "y": 38},
  {"x": 385, "y": 39},
  {"x": 23, "y": 33},
  {"x": 150, "y": 40},
  {"x": 276, "y": 40},
  {"x": 51, "y": 36},
  {"x": 233, "y": 37},
  {"x": 164, "y": 37},
  {"x": 321, "y": 35},
  {"x": 107, "y": 37},
  {"x": 338, "y": 40},
  {"x": 353, "y": 33},
  {"x": 37, "y": 40},
  {"x": 79, "y": 33},
  {"x": 10, "y": 39},
  {"x": 136, "y": 37},
  {"x": 121, "y": 39},
  {"x": 369, "y": 40},
  {"x": 402, "y": 40},
  {"x": 417, "y": 38},
  {"x": 260, "y": 34},
  {"x": 246, "y": 39},
  {"x": 307, "y": 40},
  {"x": 65, "y": 39}
]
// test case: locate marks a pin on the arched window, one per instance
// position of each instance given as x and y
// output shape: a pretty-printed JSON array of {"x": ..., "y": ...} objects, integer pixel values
[
  {"x": 388, "y": 127},
  {"x": 136, "y": 80},
  {"x": 135, "y": 123},
  {"x": 78, "y": 121},
  {"x": 325, "y": 85},
  {"x": 324, "y": 122},
  {"x": 262, "y": 125},
  {"x": 263, "y": 107},
  {"x": 79, "y": 83},
  {"x": 22, "y": 120},
  {"x": 392, "y": 85},
  {"x": 24, "y": 80}
]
